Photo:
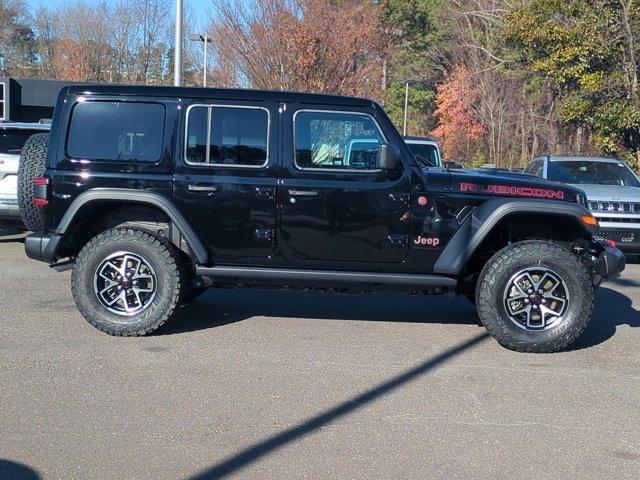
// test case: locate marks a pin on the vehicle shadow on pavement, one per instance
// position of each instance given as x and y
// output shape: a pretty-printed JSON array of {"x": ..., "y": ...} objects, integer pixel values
[
  {"x": 16, "y": 471},
  {"x": 612, "y": 309},
  {"x": 250, "y": 455},
  {"x": 217, "y": 308}
]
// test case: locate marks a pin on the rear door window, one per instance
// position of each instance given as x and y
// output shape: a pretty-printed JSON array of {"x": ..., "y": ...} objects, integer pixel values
[
  {"x": 229, "y": 136},
  {"x": 116, "y": 131}
]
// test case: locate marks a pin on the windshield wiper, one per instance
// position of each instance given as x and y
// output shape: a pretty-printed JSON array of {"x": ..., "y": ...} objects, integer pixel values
[{"x": 425, "y": 162}]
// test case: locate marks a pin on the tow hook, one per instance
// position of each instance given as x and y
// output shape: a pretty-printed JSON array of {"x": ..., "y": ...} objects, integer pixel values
[{"x": 590, "y": 259}]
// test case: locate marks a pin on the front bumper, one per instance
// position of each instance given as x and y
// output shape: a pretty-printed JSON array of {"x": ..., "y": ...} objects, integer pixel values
[
  {"x": 626, "y": 240},
  {"x": 610, "y": 262}
]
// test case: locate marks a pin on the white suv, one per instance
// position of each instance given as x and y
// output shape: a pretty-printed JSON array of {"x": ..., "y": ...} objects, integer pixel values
[
  {"x": 425, "y": 148},
  {"x": 13, "y": 135}
]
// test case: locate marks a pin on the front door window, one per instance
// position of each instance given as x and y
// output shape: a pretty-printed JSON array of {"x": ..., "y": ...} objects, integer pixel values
[{"x": 336, "y": 141}]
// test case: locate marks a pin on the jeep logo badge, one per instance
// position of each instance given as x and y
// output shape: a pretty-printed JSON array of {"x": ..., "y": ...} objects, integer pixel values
[{"x": 426, "y": 242}]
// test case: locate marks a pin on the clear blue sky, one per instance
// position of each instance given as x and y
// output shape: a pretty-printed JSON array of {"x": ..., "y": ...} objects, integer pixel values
[{"x": 200, "y": 7}]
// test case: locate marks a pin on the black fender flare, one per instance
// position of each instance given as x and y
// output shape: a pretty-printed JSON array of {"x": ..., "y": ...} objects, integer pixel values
[
  {"x": 137, "y": 196},
  {"x": 475, "y": 228}
]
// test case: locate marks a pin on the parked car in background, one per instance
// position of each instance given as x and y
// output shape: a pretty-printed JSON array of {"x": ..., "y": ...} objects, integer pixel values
[
  {"x": 425, "y": 148},
  {"x": 12, "y": 138},
  {"x": 612, "y": 189}
]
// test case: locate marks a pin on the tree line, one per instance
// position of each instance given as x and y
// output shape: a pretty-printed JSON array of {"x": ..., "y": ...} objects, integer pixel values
[{"x": 496, "y": 81}]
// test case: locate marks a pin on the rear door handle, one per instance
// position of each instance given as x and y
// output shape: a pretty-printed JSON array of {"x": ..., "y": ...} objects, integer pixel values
[
  {"x": 303, "y": 193},
  {"x": 204, "y": 188}
]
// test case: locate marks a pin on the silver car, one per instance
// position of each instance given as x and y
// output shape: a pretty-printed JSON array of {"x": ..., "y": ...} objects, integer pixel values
[
  {"x": 612, "y": 189},
  {"x": 13, "y": 136}
]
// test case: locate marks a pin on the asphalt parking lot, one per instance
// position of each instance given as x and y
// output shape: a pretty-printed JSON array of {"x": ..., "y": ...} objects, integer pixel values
[{"x": 284, "y": 385}]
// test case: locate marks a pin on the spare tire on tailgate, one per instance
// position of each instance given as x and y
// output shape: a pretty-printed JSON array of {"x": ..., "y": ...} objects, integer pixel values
[{"x": 32, "y": 165}]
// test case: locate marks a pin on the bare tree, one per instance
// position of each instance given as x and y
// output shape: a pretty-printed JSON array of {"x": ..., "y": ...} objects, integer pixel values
[{"x": 310, "y": 45}]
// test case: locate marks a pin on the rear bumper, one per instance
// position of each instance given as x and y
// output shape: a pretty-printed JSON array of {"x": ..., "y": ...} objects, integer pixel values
[
  {"x": 9, "y": 209},
  {"x": 10, "y": 214},
  {"x": 42, "y": 246},
  {"x": 611, "y": 262}
]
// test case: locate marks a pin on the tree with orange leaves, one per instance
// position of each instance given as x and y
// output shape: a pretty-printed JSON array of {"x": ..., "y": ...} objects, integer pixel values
[
  {"x": 459, "y": 129},
  {"x": 70, "y": 60}
]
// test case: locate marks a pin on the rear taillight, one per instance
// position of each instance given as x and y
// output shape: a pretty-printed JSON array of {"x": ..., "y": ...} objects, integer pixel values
[{"x": 40, "y": 191}]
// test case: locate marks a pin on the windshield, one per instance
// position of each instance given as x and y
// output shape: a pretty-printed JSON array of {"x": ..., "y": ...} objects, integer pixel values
[
  {"x": 595, "y": 173},
  {"x": 12, "y": 141},
  {"x": 427, "y": 151}
]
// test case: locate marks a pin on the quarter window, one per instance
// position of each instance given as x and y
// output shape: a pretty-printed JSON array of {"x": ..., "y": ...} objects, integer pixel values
[
  {"x": 116, "y": 131},
  {"x": 336, "y": 140},
  {"x": 227, "y": 136}
]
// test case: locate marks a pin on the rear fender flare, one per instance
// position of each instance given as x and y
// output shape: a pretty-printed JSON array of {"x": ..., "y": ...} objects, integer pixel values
[{"x": 141, "y": 197}]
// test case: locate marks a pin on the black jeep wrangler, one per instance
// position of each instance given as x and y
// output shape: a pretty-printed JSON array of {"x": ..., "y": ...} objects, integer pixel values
[{"x": 153, "y": 194}]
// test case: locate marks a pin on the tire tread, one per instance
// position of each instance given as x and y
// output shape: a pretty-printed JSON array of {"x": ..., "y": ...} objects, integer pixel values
[
  {"x": 171, "y": 263},
  {"x": 489, "y": 279}
]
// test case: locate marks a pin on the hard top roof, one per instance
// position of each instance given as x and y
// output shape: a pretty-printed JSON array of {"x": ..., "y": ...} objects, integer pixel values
[
  {"x": 409, "y": 139},
  {"x": 584, "y": 159},
  {"x": 220, "y": 93},
  {"x": 25, "y": 126}
]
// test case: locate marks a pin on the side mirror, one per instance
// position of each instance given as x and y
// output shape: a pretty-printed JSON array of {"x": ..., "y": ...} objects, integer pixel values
[{"x": 387, "y": 158}]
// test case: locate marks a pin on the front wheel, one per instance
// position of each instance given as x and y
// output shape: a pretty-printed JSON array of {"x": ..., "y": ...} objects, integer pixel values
[
  {"x": 535, "y": 296},
  {"x": 127, "y": 282}
]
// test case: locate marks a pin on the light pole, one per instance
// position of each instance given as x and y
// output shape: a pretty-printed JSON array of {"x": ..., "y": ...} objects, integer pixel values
[
  {"x": 407, "y": 82},
  {"x": 196, "y": 37},
  {"x": 177, "y": 51},
  {"x": 406, "y": 108}
]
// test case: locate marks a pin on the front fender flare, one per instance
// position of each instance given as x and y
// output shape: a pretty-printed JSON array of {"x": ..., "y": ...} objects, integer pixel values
[{"x": 484, "y": 218}]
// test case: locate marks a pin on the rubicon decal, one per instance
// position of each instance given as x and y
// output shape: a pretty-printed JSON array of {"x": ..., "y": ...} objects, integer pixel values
[
  {"x": 513, "y": 191},
  {"x": 426, "y": 242}
]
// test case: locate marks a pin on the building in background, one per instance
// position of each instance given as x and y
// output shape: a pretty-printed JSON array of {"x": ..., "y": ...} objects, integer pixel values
[{"x": 23, "y": 100}]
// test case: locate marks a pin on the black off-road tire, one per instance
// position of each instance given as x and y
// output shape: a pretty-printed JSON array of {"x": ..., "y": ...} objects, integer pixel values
[
  {"x": 32, "y": 165},
  {"x": 164, "y": 260},
  {"x": 498, "y": 272}
]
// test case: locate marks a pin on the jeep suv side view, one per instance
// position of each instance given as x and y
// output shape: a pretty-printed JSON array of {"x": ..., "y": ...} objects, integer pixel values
[
  {"x": 152, "y": 194},
  {"x": 612, "y": 189}
]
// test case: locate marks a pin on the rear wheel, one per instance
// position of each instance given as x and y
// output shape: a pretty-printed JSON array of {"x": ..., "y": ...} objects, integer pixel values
[
  {"x": 535, "y": 296},
  {"x": 32, "y": 165},
  {"x": 127, "y": 282}
]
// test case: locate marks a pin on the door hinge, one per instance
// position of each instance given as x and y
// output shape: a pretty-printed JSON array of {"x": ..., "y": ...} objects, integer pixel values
[
  {"x": 266, "y": 192},
  {"x": 398, "y": 239},
  {"x": 264, "y": 234},
  {"x": 400, "y": 197}
]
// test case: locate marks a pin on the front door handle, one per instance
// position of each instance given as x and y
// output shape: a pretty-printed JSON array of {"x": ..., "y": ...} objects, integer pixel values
[
  {"x": 303, "y": 193},
  {"x": 204, "y": 188}
]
